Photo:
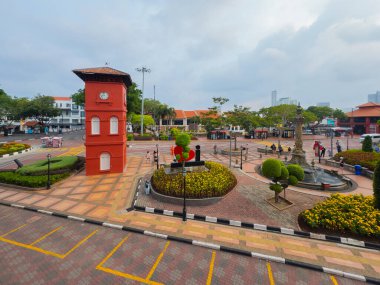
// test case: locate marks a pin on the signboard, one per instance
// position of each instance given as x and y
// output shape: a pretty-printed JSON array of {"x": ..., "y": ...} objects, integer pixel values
[{"x": 331, "y": 122}]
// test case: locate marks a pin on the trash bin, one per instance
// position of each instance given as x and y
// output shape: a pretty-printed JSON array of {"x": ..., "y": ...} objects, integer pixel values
[{"x": 358, "y": 169}]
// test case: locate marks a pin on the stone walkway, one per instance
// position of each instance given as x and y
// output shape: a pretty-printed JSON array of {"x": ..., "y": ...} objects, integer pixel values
[{"x": 105, "y": 197}]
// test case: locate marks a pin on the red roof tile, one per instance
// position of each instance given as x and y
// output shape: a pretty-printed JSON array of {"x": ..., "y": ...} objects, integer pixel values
[
  {"x": 62, "y": 98},
  {"x": 369, "y": 104},
  {"x": 100, "y": 73}
]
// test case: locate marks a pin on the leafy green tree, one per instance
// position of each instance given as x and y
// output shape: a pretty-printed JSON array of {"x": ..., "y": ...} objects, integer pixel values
[
  {"x": 213, "y": 118},
  {"x": 134, "y": 97},
  {"x": 136, "y": 121},
  {"x": 242, "y": 116},
  {"x": 78, "y": 97},
  {"x": 367, "y": 144},
  {"x": 339, "y": 114},
  {"x": 321, "y": 112},
  {"x": 376, "y": 186},
  {"x": 41, "y": 108}
]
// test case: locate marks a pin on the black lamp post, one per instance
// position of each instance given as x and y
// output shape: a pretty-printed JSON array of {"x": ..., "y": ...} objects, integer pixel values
[
  {"x": 48, "y": 177},
  {"x": 184, "y": 195},
  {"x": 241, "y": 157},
  {"x": 157, "y": 155}
]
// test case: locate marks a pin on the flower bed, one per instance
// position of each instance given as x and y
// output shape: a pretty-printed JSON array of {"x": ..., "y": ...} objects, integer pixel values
[
  {"x": 65, "y": 163},
  {"x": 215, "y": 182},
  {"x": 12, "y": 147},
  {"x": 11, "y": 177},
  {"x": 356, "y": 156},
  {"x": 345, "y": 214}
]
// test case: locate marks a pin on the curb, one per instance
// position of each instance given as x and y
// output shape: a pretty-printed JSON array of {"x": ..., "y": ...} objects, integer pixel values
[
  {"x": 260, "y": 227},
  {"x": 213, "y": 246},
  {"x": 15, "y": 153}
]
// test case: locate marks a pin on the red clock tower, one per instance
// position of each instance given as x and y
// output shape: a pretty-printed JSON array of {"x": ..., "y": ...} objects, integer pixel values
[{"x": 106, "y": 111}]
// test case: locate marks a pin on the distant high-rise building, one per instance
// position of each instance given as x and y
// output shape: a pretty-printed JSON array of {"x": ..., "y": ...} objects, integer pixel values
[
  {"x": 375, "y": 98},
  {"x": 323, "y": 104},
  {"x": 287, "y": 100},
  {"x": 274, "y": 98}
]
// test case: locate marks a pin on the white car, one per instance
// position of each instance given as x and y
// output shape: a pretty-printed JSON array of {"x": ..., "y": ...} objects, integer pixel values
[{"x": 375, "y": 138}]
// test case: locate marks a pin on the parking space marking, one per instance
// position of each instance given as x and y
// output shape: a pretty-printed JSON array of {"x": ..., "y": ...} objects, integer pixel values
[
  {"x": 122, "y": 274},
  {"x": 47, "y": 252},
  {"x": 270, "y": 274},
  {"x": 157, "y": 261},
  {"x": 45, "y": 236},
  {"x": 211, "y": 270},
  {"x": 14, "y": 230},
  {"x": 333, "y": 280}
]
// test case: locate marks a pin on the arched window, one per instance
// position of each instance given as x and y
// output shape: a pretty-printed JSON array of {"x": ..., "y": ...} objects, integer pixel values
[
  {"x": 95, "y": 126},
  {"x": 105, "y": 161},
  {"x": 114, "y": 126}
]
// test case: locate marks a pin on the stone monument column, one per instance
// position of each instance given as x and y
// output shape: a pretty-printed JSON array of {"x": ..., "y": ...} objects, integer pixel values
[{"x": 298, "y": 154}]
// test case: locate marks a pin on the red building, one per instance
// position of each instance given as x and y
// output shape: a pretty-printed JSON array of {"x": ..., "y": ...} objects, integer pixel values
[
  {"x": 106, "y": 108},
  {"x": 364, "y": 119}
]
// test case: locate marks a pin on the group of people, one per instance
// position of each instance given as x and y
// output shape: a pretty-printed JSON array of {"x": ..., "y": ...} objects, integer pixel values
[
  {"x": 280, "y": 149},
  {"x": 319, "y": 149}
]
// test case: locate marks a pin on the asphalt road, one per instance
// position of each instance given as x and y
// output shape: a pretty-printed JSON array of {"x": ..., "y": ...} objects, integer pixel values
[{"x": 37, "y": 248}]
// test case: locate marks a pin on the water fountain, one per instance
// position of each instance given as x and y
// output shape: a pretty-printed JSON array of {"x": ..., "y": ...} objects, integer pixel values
[{"x": 315, "y": 177}]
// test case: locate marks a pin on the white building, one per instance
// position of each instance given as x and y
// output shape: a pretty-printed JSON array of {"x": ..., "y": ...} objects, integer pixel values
[
  {"x": 72, "y": 116},
  {"x": 274, "y": 98}
]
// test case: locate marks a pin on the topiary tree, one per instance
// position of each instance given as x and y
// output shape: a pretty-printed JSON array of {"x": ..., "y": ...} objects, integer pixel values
[
  {"x": 376, "y": 186},
  {"x": 296, "y": 171},
  {"x": 275, "y": 170},
  {"x": 367, "y": 144}
]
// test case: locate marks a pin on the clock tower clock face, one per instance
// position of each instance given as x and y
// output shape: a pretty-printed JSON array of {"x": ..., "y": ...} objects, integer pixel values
[{"x": 103, "y": 95}]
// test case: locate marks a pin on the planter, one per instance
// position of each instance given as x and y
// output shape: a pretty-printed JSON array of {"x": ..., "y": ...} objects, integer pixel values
[{"x": 142, "y": 138}]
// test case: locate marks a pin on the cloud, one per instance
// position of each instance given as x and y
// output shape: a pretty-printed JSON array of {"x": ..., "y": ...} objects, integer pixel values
[{"x": 311, "y": 51}]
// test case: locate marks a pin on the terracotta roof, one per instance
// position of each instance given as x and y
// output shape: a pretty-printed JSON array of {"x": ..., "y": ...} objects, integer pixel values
[
  {"x": 179, "y": 114},
  {"x": 369, "y": 104},
  {"x": 190, "y": 114},
  {"x": 31, "y": 123},
  {"x": 102, "y": 73},
  {"x": 62, "y": 98}
]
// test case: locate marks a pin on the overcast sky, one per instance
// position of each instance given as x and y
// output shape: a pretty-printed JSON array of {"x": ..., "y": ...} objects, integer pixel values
[{"x": 312, "y": 51}]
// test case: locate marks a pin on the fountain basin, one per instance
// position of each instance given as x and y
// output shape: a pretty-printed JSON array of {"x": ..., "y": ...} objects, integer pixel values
[{"x": 319, "y": 178}]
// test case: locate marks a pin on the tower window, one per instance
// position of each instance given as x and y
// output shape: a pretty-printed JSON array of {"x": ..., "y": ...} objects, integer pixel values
[
  {"x": 105, "y": 161},
  {"x": 114, "y": 126},
  {"x": 95, "y": 126}
]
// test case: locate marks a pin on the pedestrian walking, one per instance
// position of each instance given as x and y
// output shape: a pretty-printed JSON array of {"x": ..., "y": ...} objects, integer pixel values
[
  {"x": 323, "y": 151},
  {"x": 280, "y": 149},
  {"x": 147, "y": 156},
  {"x": 273, "y": 148}
]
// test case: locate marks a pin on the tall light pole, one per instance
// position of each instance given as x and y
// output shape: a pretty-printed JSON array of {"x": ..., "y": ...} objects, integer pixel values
[{"x": 143, "y": 70}]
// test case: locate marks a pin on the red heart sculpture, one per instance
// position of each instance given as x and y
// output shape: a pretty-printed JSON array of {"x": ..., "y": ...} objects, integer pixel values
[{"x": 179, "y": 149}]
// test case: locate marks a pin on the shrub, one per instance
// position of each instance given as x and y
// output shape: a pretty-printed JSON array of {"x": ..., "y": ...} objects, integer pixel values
[
  {"x": 376, "y": 186},
  {"x": 164, "y": 137},
  {"x": 351, "y": 213},
  {"x": 174, "y": 132},
  {"x": 12, "y": 147},
  {"x": 356, "y": 156},
  {"x": 284, "y": 173},
  {"x": 271, "y": 168},
  {"x": 129, "y": 137},
  {"x": 367, "y": 144},
  {"x": 216, "y": 181},
  {"x": 293, "y": 180},
  {"x": 30, "y": 181},
  {"x": 297, "y": 171},
  {"x": 40, "y": 167}
]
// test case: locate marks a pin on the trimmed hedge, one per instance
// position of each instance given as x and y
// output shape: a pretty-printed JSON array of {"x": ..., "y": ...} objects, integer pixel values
[
  {"x": 356, "y": 156},
  {"x": 215, "y": 182},
  {"x": 271, "y": 168},
  {"x": 351, "y": 213},
  {"x": 30, "y": 181},
  {"x": 63, "y": 163},
  {"x": 297, "y": 171},
  {"x": 12, "y": 147}
]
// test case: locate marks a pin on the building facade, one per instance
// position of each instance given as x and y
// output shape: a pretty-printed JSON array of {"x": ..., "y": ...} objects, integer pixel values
[
  {"x": 375, "y": 98},
  {"x": 364, "y": 119},
  {"x": 72, "y": 116}
]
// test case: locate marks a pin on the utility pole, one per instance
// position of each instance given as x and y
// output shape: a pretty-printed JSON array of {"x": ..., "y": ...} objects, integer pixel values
[{"x": 143, "y": 70}]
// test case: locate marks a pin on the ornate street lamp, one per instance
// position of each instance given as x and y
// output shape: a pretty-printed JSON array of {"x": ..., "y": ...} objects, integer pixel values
[{"x": 184, "y": 195}]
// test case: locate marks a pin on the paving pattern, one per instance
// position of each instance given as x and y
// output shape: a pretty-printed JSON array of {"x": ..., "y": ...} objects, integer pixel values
[
  {"x": 91, "y": 254},
  {"x": 105, "y": 197}
]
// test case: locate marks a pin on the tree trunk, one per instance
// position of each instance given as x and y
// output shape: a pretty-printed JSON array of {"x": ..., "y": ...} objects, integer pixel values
[{"x": 276, "y": 195}]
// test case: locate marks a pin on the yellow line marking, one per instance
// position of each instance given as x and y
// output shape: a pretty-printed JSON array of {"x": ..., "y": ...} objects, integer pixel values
[
  {"x": 209, "y": 276},
  {"x": 270, "y": 274},
  {"x": 12, "y": 231},
  {"x": 128, "y": 276},
  {"x": 31, "y": 247},
  {"x": 157, "y": 261},
  {"x": 112, "y": 252},
  {"x": 45, "y": 236},
  {"x": 79, "y": 244},
  {"x": 334, "y": 280},
  {"x": 119, "y": 273}
]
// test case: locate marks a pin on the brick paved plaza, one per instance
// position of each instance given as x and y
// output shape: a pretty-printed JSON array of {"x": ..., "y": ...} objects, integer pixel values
[{"x": 106, "y": 198}]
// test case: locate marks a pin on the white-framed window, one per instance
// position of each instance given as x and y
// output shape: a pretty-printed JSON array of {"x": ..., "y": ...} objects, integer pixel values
[
  {"x": 105, "y": 161},
  {"x": 95, "y": 126},
  {"x": 114, "y": 126}
]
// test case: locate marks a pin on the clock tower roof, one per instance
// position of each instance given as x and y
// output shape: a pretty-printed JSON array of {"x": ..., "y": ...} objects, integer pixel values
[{"x": 103, "y": 74}]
